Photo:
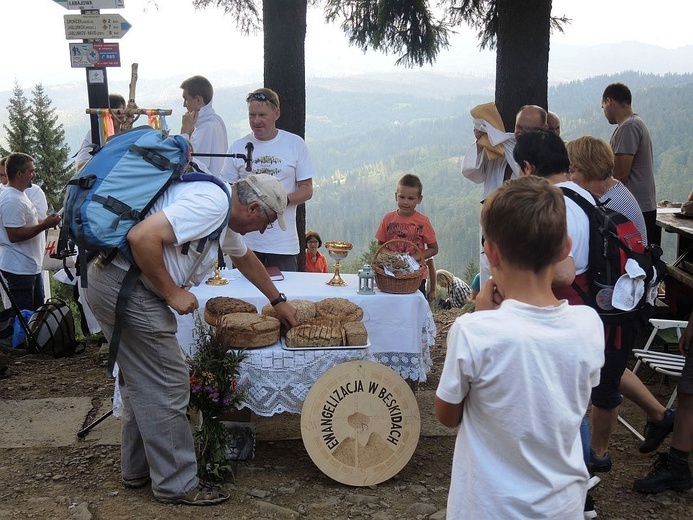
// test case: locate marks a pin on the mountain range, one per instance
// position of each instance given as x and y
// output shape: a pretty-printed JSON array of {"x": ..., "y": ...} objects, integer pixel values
[{"x": 365, "y": 131}]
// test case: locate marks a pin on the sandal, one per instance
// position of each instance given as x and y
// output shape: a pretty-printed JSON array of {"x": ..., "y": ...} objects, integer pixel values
[{"x": 203, "y": 494}]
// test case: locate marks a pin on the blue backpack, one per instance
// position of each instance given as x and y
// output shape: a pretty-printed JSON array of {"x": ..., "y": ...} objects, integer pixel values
[{"x": 114, "y": 191}]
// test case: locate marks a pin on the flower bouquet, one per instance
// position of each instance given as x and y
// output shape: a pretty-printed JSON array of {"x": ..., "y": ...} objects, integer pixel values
[{"x": 213, "y": 371}]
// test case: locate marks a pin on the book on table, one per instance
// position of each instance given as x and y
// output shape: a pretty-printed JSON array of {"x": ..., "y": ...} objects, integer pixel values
[{"x": 274, "y": 273}]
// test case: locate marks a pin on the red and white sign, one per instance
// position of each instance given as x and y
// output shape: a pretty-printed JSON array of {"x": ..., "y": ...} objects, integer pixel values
[{"x": 94, "y": 55}]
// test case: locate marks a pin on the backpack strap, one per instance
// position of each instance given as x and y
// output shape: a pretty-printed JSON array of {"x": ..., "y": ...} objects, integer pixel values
[
  {"x": 588, "y": 208},
  {"x": 126, "y": 289},
  {"x": 586, "y": 205}
]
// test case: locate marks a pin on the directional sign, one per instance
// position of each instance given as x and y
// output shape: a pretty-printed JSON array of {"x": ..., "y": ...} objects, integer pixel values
[
  {"x": 94, "y": 55},
  {"x": 91, "y": 4},
  {"x": 95, "y": 26}
]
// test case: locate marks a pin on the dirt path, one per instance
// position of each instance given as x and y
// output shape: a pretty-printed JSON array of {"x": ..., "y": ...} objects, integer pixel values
[{"x": 81, "y": 480}]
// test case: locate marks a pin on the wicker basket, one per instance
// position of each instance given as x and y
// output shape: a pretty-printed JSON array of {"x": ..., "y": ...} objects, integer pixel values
[{"x": 405, "y": 283}]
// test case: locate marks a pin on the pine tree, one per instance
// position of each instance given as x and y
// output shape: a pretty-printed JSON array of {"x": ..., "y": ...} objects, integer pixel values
[
  {"x": 18, "y": 134},
  {"x": 470, "y": 271},
  {"x": 50, "y": 150}
]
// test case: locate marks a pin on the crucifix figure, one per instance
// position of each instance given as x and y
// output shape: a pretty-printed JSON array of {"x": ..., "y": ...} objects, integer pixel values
[{"x": 128, "y": 115}]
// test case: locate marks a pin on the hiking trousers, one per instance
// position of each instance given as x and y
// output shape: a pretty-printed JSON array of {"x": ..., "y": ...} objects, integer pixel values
[{"x": 156, "y": 436}]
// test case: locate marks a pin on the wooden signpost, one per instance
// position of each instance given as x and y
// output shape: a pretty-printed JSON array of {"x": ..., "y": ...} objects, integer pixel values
[{"x": 93, "y": 54}]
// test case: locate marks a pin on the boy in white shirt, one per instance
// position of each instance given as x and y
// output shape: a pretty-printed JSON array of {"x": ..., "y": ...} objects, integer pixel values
[{"x": 519, "y": 372}]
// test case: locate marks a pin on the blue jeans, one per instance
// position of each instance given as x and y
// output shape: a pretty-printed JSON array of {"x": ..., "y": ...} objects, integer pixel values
[
  {"x": 156, "y": 440},
  {"x": 25, "y": 289}
]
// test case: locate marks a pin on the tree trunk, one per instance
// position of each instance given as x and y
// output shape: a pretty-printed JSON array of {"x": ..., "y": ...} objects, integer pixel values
[
  {"x": 522, "y": 56},
  {"x": 284, "y": 28}
]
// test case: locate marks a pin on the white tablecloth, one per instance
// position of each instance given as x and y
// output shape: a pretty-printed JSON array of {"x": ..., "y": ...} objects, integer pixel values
[{"x": 400, "y": 328}]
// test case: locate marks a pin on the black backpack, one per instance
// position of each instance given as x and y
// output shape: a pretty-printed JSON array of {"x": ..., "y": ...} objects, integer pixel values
[
  {"x": 614, "y": 239},
  {"x": 53, "y": 327}
]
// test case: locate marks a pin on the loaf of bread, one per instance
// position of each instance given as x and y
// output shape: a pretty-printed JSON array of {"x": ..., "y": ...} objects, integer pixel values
[
  {"x": 248, "y": 330},
  {"x": 316, "y": 333},
  {"x": 218, "y": 306},
  {"x": 340, "y": 309},
  {"x": 305, "y": 310},
  {"x": 355, "y": 333}
]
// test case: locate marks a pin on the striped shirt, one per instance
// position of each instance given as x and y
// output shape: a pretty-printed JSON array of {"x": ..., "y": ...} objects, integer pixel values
[{"x": 619, "y": 198}]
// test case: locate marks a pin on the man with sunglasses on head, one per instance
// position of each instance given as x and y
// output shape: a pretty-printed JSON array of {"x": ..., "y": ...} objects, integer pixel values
[{"x": 269, "y": 150}]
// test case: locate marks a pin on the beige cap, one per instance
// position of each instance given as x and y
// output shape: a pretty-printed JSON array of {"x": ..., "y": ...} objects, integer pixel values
[
  {"x": 271, "y": 193},
  {"x": 489, "y": 113}
]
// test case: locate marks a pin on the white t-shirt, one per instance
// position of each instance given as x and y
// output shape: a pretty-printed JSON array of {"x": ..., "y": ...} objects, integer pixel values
[
  {"x": 578, "y": 227},
  {"x": 83, "y": 154},
  {"x": 286, "y": 157},
  {"x": 525, "y": 375},
  {"x": 16, "y": 210},
  {"x": 194, "y": 210},
  {"x": 210, "y": 136},
  {"x": 38, "y": 199},
  {"x": 478, "y": 168}
]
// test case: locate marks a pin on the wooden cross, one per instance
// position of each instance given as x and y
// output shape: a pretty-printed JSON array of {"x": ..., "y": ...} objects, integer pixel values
[{"x": 128, "y": 115}]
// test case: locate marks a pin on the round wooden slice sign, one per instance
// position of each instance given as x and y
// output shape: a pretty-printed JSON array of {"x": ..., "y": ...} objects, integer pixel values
[{"x": 360, "y": 423}]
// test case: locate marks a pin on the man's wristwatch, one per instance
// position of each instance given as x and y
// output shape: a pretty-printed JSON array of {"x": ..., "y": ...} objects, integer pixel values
[{"x": 278, "y": 299}]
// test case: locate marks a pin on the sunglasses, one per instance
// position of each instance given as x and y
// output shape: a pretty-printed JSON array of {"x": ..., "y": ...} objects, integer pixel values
[{"x": 260, "y": 96}]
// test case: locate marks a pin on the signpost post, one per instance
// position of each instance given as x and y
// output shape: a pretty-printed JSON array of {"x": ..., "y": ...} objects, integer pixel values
[{"x": 93, "y": 54}]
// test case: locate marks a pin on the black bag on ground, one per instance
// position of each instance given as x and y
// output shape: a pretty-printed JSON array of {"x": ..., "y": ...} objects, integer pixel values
[
  {"x": 7, "y": 317},
  {"x": 54, "y": 329}
]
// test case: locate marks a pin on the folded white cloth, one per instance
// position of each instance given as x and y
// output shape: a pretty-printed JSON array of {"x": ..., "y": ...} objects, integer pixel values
[
  {"x": 499, "y": 137},
  {"x": 630, "y": 287},
  {"x": 653, "y": 287}
]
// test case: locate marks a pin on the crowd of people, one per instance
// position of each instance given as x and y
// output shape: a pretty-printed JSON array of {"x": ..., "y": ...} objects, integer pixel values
[
  {"x": 531, "y": 351},
  {"x": 620, "y": 176}
]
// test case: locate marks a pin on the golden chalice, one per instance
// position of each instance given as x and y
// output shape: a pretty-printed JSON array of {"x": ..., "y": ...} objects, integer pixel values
[
  {"x": 337, "y": 251},
  {"x": 217, "y": 279}
]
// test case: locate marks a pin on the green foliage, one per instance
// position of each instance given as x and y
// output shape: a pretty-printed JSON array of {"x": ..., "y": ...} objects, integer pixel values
[
  {"x": 406, "y": 27},
  {"x": 213, "y": 372},
  {"x": 34, "y": 129},
  {"x": 50, "y": 151},
  {"x": 366, "y": 142},
  {"x": 18, "y": 134},
  {"x": 470, "y": 271},
  {"x": 244, "y": 12}
]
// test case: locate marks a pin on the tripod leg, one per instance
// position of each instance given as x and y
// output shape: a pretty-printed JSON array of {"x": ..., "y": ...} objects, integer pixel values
[{"x": 83, "y": 432}]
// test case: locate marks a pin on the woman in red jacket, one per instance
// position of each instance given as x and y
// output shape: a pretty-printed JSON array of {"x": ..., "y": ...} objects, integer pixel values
[{"x": 315, "y": 261}]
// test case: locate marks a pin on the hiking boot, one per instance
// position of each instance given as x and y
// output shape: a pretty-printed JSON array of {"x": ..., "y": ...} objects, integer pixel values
[
  {"x": 656, "y": 432},
  {"x": 203, "y": 494},
  {"x": 600, "y": 464},
  {"x": 589, "y": 507},
  {"x": 667, "y": 473}
]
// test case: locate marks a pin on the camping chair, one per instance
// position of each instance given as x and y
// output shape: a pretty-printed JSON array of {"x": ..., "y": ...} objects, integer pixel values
[{"x": 665, "y": 363}]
